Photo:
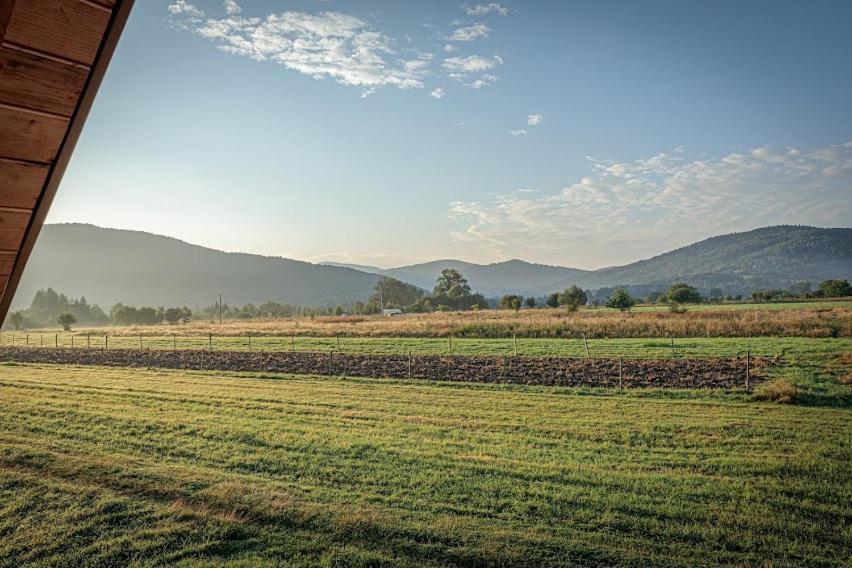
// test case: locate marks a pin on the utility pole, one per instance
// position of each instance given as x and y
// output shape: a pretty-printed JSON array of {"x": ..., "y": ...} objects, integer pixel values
[{"x": 220, "y": 308}]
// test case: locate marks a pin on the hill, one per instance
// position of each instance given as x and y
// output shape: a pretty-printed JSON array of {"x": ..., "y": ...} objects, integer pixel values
[{"x": 110, "y": 265}]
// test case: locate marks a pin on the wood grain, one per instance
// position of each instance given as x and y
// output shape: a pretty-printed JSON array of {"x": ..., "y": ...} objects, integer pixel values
[
  {"x": 20, "y": 183},
  {"x": 12, "y": 227},
  {"x": 38, "y": 83},
  {"x": 30, "y": 136},
  {"x": 65, "y": 28}
]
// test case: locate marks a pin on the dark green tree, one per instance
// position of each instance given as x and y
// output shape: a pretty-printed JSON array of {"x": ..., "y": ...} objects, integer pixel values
[
  {"x": 451, "y": 279},
  {"x": 391, "y": 292},
  {"x": 621, "y": 300},
  {"x": 573, "y": 297},
  {"x": 683, "y": 294},
  {"x": 835, "y": 288},
  {"x": 530, "y": 302},
  {"x": 66, "y": 321},
  {"x": 553, "y": 300},
  {"x": 17, "y": 320}
]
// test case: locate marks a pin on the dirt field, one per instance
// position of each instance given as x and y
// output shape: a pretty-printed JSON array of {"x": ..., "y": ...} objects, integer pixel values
[{"x": 552, "y": 371}]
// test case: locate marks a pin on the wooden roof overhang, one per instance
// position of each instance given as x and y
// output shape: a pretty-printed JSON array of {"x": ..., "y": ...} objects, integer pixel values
[{"x": 53, "y": 56}]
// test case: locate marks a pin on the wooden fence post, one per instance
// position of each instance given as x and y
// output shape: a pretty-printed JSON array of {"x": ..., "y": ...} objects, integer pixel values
[
  {"x": 409, "y": 363},
  {"x": 56, "y": 341},
  {"x": 586, "y": 344},
  {"x": 673, "y": 351},
  {"x": 293, "y": 343},
  {"x": 210, "y": 341},
  {"x": 202, "y": 358},
  {"x": 748, "y": 369},
  {"x": 515, "y": 344},
  {"x": 620, "y": 373},
  {"x": 106, "y": 341}
]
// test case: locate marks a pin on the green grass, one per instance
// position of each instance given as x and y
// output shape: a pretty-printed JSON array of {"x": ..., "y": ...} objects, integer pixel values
[
  {"x": 641, "y": 347},
  {"x": 115, "y": 466},
  {"x": 805, "y": 304}
]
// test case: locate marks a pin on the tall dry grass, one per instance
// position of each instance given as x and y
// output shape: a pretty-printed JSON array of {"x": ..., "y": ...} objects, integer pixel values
[{"x": 834, "y": 322}]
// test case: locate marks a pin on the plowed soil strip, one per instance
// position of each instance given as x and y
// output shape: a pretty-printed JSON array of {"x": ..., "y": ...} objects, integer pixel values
[{"x": 553, "y": 371}]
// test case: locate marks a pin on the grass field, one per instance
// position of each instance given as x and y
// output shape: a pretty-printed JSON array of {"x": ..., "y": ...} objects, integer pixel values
[{"x": 101, "y": 466}]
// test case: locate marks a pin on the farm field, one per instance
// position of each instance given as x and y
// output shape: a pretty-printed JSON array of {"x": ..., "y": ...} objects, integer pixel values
[
  {"x": 805, "y": 319},
  {"x": 112, "y": 466}
]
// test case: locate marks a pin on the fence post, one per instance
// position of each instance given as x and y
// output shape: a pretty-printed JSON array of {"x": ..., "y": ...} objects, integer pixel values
[
  {"x": 620, "y": 373},
  {"x": 88, "y": 340},
  {"x": 515, "y": 343},
  {"x": 41, "y": 339},
  {"x": 174, "y": 342},
  {"x": 450, "y": 343},
  {"x": 409, "y": 363},
  {"x": 148, "y": 359},
  {"x": 56, "y": 341},
  {"x": 72, "y": 342},
  {"x": 586, "y": 344},
  {"x": 28, "y": 340},
  {"x": 748, "y": 368},
  {"x": 202, "y": 358},
  {"x": 337, "y": 337},
  {"x": 331, "y": 362},
  {"x": 106, "y": 341},
  {"x": 249, "y": 341},
  {"x": 292, "y": 343},
  {"x": 210, "y": 341},
  {"x": 673, "y": 351}
]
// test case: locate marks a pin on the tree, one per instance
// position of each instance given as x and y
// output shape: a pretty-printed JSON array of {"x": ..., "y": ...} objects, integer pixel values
[
  {"x": 801, "y": 288},
  {"x": 573, "y": 297},
  {"x": 66, "y": 321},
  {"x": 621, "y": 300},
  {"x": 511, "y": 302},
  {"x": 17, "y": 320},
  {"x": 173, "y": 315},
  {"x": 392, "y": 292},
  {"x": 835, "y": 288},
  {"x": 553, "y": 300},
  {"x": 530, "y": 302},
  {"x": 448, "y": 280},
  {"x": 683, "y": 294}
]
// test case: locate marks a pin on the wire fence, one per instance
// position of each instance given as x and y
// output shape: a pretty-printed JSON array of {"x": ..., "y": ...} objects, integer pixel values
[{"x": 668, "y": 347}]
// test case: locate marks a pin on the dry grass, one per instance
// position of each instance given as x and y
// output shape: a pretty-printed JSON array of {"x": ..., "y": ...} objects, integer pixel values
[
  {"x": 779, "y": 390},
  {"x": 593, "y": 323}
]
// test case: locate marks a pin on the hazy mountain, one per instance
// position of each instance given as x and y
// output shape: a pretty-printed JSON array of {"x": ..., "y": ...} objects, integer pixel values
[{"x": 109, "y": 265}]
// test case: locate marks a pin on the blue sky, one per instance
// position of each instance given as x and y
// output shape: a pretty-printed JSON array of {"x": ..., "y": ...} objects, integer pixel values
[{"x": 386, "y": 132}]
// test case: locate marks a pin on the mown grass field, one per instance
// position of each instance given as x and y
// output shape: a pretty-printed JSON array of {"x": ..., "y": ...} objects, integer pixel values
[{"x": 115, "y": 466}]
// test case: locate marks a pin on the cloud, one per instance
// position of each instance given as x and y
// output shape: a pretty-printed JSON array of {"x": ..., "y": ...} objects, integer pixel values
[
  {"x": 518, "y": 132},
  {"x": 471, "y": 63},
  {"x": 437, "y": 93},
  {"x": 485, "y": 9},
  {"x": 449, "y": 48},
  {"x": 624, "y": 209},
  {"x": 483, "y": 81},
  {"x": 232, "y": 8},
  {"x": 184, "y": 7},
  {"x": 534, "y": 120},
  {"x": 470, "y": 33},
  {"x": 330, "y": 45}
]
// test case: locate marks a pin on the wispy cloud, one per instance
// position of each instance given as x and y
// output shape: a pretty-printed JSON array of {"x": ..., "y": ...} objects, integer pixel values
[
  {"x": 330, "y": 45},
  {"x": 644, "y": 206},
  {"x": 518, "y": 132},
  {"x": 437, "y": 93},
  {"x": 471, "y": 63},
  {"x": 232, "y": 8},
  {"x": 470, "y": 33},
  {"x": 485, "y": 9},
  {"x": 534, "y": 120}
]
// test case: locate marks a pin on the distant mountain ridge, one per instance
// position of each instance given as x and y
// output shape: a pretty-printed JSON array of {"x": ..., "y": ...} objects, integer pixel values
[{"x": 112, "y": 265}]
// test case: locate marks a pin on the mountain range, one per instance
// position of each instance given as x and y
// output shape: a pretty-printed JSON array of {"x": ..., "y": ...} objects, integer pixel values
[{"x": 113, "y": 265}]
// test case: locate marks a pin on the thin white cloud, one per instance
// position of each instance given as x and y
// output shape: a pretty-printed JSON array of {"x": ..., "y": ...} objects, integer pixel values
[
  {"x": 330, "y": 45},
  {"x": 534, "y": 120},
  {"x": 185, "y": 8},
  {"x": 642, "y": 207},
  {"x": 449, "y": 48},
  {"x": 470, "y": 33},
  {"x": 518, "y": 132},
  {"x": 437, "y": 93},
  {"x": 484, "y": 81},
  {"x": 471, "y": 63},
  {"x": 485, "y": 9},
  {"x": 232, "y": 8}
]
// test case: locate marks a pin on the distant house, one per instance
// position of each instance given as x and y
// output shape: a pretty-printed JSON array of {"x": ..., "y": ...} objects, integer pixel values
[{"x": 391, "y": 312}]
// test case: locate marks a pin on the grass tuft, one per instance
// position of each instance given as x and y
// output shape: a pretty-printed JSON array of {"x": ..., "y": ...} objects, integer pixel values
[{"x": 779, "y": 390}]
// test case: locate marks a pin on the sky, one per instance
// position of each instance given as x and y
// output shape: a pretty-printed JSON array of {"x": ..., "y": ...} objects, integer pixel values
[{"x": 388, "y": 132}]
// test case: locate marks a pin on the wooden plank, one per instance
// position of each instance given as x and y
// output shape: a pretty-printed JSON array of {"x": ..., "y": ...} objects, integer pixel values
[
  {"x": 30, "y": 136},
  {"x": 7, "y": 260},
  {"x": 21, "y": 183},
  {"x": 6, "y": 7},
  {"x": 38, "y": 83},
  {"x": 65, "y": 28},
  {"x": 13, "y": 224}
]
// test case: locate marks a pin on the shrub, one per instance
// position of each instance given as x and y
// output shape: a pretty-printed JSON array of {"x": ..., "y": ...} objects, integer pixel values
[{"x": 779, "y": 390}]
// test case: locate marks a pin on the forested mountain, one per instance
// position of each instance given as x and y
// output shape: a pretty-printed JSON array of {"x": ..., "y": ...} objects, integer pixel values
[{"x": 109, "y": 265}]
